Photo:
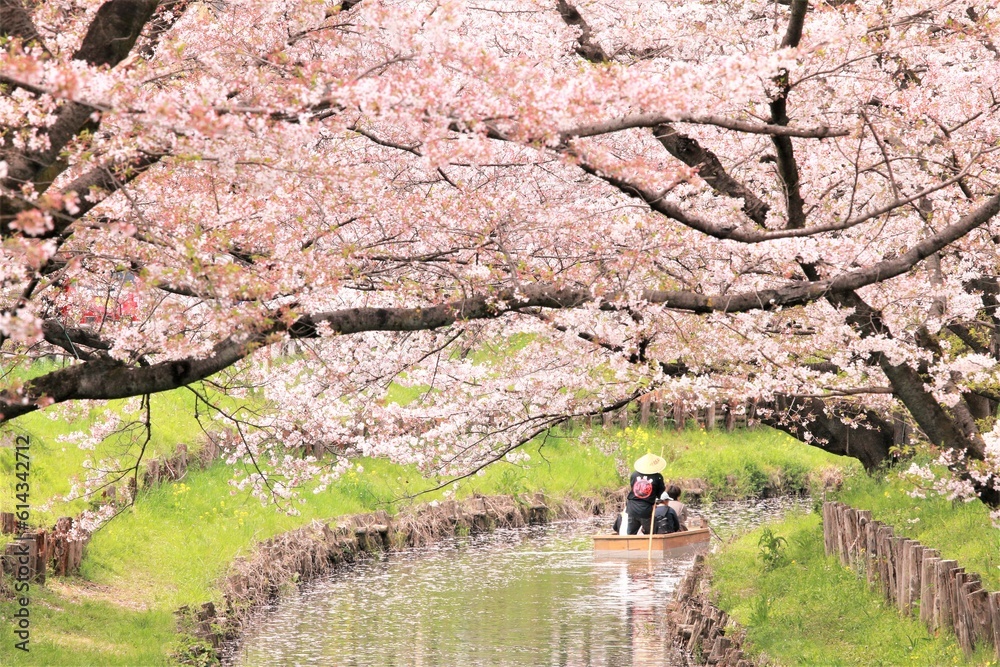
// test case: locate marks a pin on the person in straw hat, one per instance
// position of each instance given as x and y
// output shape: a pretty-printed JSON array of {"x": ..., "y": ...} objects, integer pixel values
[{"x": 646, "y": 485}]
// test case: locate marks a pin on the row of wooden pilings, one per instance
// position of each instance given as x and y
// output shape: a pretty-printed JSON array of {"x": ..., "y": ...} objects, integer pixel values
[
  {"x": 699, "y": 627},
  {"x": 57, "y": 551},
  {"x": 655, "y": 410},
  {"x": 913, "y": 576},
  {"x": 37, "y": 552}
]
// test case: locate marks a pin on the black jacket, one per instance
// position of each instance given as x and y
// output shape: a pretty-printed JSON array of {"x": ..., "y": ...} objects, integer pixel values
[{"x": 644, "y": 490}]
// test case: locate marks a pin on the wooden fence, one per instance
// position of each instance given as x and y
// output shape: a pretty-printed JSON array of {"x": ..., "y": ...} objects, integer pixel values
[
  {"x": 36, "y": 552},
  {"x": 652, "y": 410},
  {"x": 167, "y": 468},
  {"x": 40, "y": 552},
  {"x": 913, "y": 577}
]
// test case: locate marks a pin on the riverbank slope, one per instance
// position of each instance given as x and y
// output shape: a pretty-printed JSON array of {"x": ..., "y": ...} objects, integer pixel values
[{"x": 805, "y": 608}]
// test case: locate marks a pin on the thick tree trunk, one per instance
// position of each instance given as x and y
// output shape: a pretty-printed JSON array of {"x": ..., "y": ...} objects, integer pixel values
[{"x": 807, "y": 420}]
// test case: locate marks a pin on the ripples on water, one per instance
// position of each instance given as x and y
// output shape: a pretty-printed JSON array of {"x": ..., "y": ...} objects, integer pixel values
[{"x": 534, "y": 596}]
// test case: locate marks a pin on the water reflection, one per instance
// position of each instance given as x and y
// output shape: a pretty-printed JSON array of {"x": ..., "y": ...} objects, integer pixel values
[{"x": 535, "y": 596}]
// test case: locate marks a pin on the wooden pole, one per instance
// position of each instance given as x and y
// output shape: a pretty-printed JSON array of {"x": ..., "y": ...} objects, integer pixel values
[
  {"x": 652, "y": 520},
  {"x": 995, "y": 621},
  {"x": 730, "y": 417}
]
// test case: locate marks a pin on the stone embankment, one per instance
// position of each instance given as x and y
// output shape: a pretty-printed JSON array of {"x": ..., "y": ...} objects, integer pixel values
[
  {"x": 701, "y": 629},
  {"x": 284, "y": 561}
]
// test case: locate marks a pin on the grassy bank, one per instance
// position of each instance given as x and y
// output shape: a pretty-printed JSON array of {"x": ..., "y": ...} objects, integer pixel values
[
  {"x": 741, "y": 464},
  {"x": 961, "y": 531},
  {"x": 55, "y": 462},
  {"x": 806, "y": 609},
  {"x": 178, "y": 540}
]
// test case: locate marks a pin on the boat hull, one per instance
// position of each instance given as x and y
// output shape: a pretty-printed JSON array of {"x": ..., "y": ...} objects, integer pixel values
[{"x": 639, "y": 545}]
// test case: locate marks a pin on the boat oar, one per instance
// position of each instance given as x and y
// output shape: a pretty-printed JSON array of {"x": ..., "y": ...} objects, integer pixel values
[
  {"x": 652, "y": 518},
  {"x": 652, "y": 521}
]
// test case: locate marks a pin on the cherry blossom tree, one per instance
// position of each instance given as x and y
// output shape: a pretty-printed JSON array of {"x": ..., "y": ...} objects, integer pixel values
[{"x": 516, "y": 211}]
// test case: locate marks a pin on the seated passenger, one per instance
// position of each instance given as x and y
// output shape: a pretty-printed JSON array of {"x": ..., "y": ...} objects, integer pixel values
[
  {"x": 666, "y": 519},
  {"x": 674, "y": 493}
]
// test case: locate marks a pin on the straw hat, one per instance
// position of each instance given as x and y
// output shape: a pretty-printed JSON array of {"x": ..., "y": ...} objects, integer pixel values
[{"x": 650, "y": 463}]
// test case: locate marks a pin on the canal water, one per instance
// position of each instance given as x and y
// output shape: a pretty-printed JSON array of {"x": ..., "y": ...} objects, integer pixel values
[{"x": 529, "y": 597}]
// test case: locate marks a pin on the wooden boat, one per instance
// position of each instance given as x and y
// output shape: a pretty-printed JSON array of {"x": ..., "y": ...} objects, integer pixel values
[{"x": 635, "y": 546}]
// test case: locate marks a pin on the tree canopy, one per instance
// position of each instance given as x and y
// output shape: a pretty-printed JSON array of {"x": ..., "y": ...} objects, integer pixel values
[{"x": 523, "y": 210}]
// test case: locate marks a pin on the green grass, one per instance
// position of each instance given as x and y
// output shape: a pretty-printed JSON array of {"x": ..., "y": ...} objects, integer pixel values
[
  {"x": 741, "y": 464},
  {"x": 961, "y": 531},
  {"x": 71, "y": 630},
  {"x": 809, "y": 610},
  {"x": 55, "y": 464}
]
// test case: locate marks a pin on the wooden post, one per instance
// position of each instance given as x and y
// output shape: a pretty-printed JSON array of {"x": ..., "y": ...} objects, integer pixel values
[
  {"x": 871, "y": 540},
  {"x": 928, "y": 588},
  {"x": 903, "y": 575},
  {"x": 76, "y": 556},
  {"x": 8, "y": 523},
  {"x": 916, "y": 570},
  {"x": 995, "y": 621},
  {"x": 210, "y": 451},
  {"x": 964, "y": 628},
  {"x": 623, "y": 417},
  {"x": 862, "y": 540},
  {"x": 29, "y": 540},
  {"x": 719, "y": 649},
  {"x": 60, "y": 552},
  {"x": 843, "y": 535},
  {"x": 679, "y": 414},
  {"x": 883, "y": 537},
  {"x": 606, "y": 418},
  {"x": 979, "y": 610},
  {"x": 751, "y": 413},
  {"x": 957, "y": 576},
  {"x": 710, "y": 417},
  {"x": 827, "y": 529},
  {"x": 730, "y": 417},
  {"x": 153, "y": 473},
  {"x": 41, "y": 555},
  {"x": 644, "y": 409},
  {"x": 861, "y": 520},
  {"x": 944, "y": 572},
  {"x": 857, "y": 537}
]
